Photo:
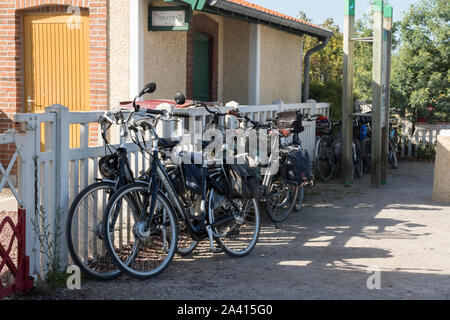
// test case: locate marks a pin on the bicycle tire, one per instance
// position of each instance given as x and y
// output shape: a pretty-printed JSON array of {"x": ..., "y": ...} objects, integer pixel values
[
  {"x": 134, "y": 259},
  {"x": 89, "y": 270},
  {"x": 321, "y": 144},
  {"x": 220, "y": 240},
  {"x": 286, "y": 205}
]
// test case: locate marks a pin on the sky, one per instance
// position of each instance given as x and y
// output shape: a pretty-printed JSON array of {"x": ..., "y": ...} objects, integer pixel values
[{"x": 320, "y": 10}]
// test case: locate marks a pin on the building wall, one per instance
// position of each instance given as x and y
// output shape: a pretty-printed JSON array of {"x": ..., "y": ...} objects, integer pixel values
[
  {"x": 236, "y": 58},
  {"x": 281, "y": 66},
  {"x": 165, "y": 59},
  {"x": 119, "y": 51}
]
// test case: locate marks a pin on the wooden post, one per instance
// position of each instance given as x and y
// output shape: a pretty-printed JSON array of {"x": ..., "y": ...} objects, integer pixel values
[
  {"x": 388, "y": 10},
  {"x": 377, "y": 92},
  {"x": 347, "y": 92}
]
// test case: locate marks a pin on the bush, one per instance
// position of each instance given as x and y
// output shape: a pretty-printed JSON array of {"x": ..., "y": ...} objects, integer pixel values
[{"x": 330, "y": 92}]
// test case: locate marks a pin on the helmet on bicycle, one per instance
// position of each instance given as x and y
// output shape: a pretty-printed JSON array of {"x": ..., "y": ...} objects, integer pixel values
[{"x": 108, "y": 166}]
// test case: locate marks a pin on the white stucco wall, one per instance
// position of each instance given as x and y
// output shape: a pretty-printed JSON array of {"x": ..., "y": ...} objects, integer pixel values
[
  {"x": 236, "y": 55},
  {"x": 281, "y": 66},
  {"x": 119, "y": 51}
]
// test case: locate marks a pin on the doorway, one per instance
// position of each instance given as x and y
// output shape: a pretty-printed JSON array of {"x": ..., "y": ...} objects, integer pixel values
[{"x": 202, "y": 71}]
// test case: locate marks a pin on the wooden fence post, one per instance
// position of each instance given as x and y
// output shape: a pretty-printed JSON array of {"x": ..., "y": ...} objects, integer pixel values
[{"x": 61, "y": 149}]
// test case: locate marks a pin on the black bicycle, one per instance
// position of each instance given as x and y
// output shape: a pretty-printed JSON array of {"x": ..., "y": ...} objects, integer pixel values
[{"x": 140, "y": 225}]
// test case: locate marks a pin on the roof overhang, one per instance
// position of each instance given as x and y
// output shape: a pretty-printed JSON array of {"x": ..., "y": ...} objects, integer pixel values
[{"x": 242, "y": 12}]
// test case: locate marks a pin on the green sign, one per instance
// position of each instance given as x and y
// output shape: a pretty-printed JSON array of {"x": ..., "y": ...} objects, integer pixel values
[
  {"x": 169, "y": 18},
  {"x": 388, "y": 11},
  {"x": 349, "y": 7}
]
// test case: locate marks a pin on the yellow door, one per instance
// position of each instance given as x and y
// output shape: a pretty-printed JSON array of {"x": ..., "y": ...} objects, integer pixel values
[{"x": 56, "y": 62}]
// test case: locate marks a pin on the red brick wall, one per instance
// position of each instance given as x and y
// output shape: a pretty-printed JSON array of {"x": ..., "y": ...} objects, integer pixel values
[
  {"x": 206, "y": 25},
  {"x": 11, "y": 68}
]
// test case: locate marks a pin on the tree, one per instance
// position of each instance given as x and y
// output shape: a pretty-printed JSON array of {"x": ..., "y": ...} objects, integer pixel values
[
  {"x": 421, "y": 70},
  {"x": 326, "y": 67}
]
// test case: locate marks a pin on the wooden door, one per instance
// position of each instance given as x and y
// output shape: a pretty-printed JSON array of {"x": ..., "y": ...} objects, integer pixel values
[{"x": 56, "y": 63}]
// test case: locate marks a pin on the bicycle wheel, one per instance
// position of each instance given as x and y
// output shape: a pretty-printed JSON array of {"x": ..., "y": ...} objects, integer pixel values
[
  {"x": 84, "y": 232},
  {"x": 324, "y": 159},
  {"x": 366, "y": 148},
  {"x": 300, "y": 197},
  {"x": 237, "y": 230},
  {"x": 186, "y": 245},
  {"x": 280, "y": 201},
  {"x": 358, "y": 162},
  {"x": 393, "y": 161},
  {"x": 139, "y": 252}
]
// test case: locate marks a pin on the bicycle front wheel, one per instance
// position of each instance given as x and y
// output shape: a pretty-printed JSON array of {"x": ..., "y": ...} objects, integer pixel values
[
  {"x": 324, "y": 159},
  {"x": 140, "y": 251},
  {"x": 237, "y": 230},
  {"x": 84, "y": 232}
]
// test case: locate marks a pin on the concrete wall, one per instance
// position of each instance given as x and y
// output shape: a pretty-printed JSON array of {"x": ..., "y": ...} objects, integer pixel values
[
  {"x": 281, "y": 66},
  {"x": 236, "y": 55},
  {"x": 118, "y": 52}
]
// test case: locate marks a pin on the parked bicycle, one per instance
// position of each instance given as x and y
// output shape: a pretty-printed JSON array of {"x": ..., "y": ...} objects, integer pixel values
[
  {"x": 283, "y": 187},
  {"x": 144, "y": 246},
  {"x": 328, "y": 152}
]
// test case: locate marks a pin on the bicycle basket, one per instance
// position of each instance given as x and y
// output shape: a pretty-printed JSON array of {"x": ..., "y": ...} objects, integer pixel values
[
  {"x": 297, "y": 167},
  {"x": 244, "y": 178},
  {"x": 291, "y": 120}
]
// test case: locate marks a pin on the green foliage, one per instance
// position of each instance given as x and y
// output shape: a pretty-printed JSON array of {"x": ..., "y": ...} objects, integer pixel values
[
  {"x": 330, "y": 92},
  {"x": 421, "y": 70},
  {"x": 326, "y": 68},
  {"x": 426, "y": 151},
  {"x": 48, "y": 241}
]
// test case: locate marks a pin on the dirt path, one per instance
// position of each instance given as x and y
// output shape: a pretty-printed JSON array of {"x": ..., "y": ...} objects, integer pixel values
[{"x": 324, "y": 252}]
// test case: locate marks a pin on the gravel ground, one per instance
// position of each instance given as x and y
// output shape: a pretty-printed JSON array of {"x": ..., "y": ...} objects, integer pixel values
[{"x": 323, "y": 252}]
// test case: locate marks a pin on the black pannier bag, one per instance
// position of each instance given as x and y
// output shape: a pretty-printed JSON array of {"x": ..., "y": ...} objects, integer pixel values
[
  {"x": 244, "y": 178},
  {"x": 291, "y": 120},
  {"x": 297, "y": 167},
  {"x": 193, "y": 176}
]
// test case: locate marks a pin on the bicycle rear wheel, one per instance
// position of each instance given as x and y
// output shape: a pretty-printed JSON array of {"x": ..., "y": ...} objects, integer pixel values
[
  {"x": 84, "y": 232},
  {"x": 239, "y": 230},
  {"x": 324, "y": 159},
  {"x": 139, "y": 252},
  {"x": 280, "y": 201}
]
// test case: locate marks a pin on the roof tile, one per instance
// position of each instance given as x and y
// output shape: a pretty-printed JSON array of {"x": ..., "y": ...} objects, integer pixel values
[{"x": 272, "y": 12}]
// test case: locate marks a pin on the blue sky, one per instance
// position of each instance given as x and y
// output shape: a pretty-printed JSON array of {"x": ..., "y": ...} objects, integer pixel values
[{"x": 319, "y": 10}]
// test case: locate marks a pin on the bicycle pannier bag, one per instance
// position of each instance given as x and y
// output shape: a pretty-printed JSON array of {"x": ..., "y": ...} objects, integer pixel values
[
  {"x": 291, "y": 120},
  {"x": 298, "y": 167},
  {"x": 244, "y": 179}
]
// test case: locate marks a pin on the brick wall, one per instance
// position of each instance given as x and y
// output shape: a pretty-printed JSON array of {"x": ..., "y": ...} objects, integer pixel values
[
  {"x": 206, "y": 25},
  {"x": 11, "y": 68}
]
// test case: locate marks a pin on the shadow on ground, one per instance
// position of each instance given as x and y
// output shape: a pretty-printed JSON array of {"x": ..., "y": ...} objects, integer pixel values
[{"x": 323, "y": 252}]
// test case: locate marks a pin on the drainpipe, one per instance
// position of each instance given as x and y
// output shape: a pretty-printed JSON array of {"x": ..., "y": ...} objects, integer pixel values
[{"x": 308, "y": 64}]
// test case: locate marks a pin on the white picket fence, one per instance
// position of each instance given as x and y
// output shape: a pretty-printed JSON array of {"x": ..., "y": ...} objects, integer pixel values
[
  {"x": 424, "y": 134},
  {"x": 50, "y": 177}
]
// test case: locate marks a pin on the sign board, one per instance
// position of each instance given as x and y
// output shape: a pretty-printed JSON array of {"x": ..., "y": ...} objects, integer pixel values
[{"x": 168, "y": 18}]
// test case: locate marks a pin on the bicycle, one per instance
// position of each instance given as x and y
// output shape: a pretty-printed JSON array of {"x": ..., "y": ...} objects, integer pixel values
[
  {"x": 280, "y": 195},
  {"x": 222, "y": 216},
  {"x": 328, "y": 153}
]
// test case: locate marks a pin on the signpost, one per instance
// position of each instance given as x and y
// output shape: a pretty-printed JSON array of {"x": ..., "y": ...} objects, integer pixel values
[
  {"x": 388, "y": 14},
  {"x": 382, "y": 44},
  {"x": 347, "y": 97},
  {"x": 377, "y": 83}
]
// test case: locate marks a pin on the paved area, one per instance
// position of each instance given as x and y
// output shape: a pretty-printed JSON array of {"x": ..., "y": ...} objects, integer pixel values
[{"x": 323, "y": 252}]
